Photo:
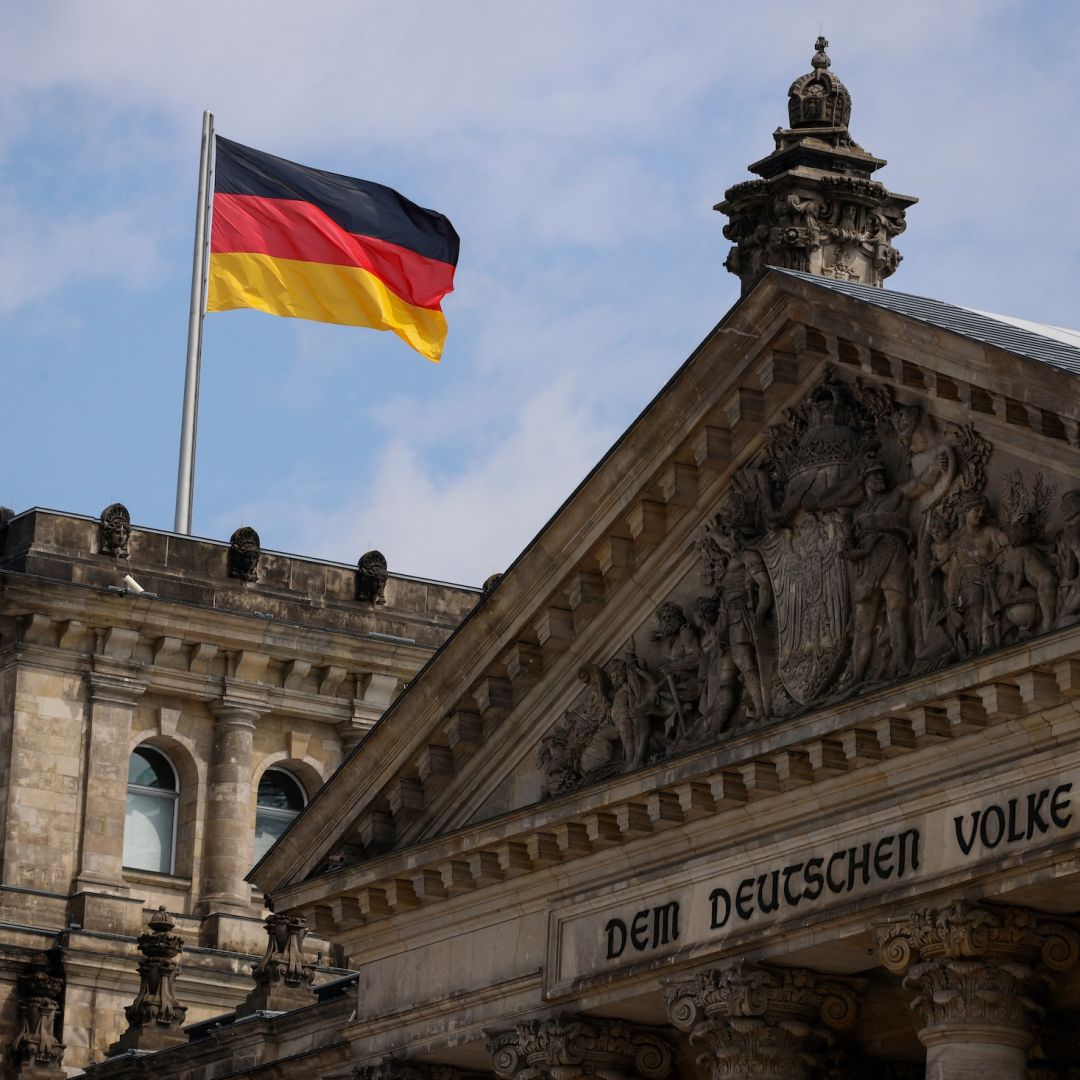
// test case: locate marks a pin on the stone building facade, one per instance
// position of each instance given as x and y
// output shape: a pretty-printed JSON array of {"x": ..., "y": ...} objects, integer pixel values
[
  {"x": 761, "y": 761},
  {"x": 228, "y": 683}
]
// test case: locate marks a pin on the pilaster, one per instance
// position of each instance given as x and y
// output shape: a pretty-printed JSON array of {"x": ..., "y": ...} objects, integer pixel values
[{"x": 114, "y": 693}]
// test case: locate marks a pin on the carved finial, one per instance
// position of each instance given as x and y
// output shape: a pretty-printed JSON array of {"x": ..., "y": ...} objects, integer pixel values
[
  {"x": 36, "y": 1051},
  {"x": 283, "y": 977},
  {"x": 155, "y": 1018},
  {"x": 490, "y": 582},
  {"x": 245, "y": 550},
  {"x": 814, "y": 206},
  {"x": 821, "y": 57}
]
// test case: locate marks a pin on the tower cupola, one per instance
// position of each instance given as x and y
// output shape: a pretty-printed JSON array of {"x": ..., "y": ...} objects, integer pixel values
[{"x": 815, "y": 205}]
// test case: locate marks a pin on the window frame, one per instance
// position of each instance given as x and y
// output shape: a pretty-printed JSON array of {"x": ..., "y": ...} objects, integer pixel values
[
  {"x": 158, "y": 793},
  {"x": 272, "y": 812}
]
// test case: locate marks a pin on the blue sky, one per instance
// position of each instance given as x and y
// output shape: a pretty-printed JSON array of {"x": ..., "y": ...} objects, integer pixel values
[{"x": 578, "y": 147}]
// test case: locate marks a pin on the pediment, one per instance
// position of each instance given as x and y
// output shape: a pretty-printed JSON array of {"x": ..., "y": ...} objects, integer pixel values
[{"x": 827, "y": 500}]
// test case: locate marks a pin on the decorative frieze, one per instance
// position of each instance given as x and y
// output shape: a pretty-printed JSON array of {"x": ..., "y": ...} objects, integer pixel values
[
  {"x": 570, "y": 1047},
  {"x": 860, "y": 547},
  {"x": 749, "y": 1021}
]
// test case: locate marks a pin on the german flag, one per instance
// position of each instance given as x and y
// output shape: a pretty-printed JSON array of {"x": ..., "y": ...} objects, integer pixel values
[{"x": 310, "y": 244}]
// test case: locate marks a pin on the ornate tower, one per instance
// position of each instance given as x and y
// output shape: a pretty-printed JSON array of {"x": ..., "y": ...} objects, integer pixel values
[{"x": 815, "y": 206}]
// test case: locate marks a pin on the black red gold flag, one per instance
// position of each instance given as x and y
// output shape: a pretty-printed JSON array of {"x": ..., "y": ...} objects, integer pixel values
[{"x": 309, "y": 244}]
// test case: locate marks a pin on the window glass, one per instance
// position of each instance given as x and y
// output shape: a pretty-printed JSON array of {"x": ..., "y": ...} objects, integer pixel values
[
  {"x": 150, "y": 768},
  {"x": 150, "y": 824},
  {"x": 279, "y": 800}
]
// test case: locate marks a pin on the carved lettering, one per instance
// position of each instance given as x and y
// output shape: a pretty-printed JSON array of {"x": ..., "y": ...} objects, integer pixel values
[
  {"x": 616, "y": 938},
  {"x": 717, "y": 921}
]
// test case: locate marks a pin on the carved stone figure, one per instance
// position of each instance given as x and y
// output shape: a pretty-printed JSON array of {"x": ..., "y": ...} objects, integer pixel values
[
  {"x": 36, "y": 1051},
  {"x": 719, "y": 675},
  {"x": 155, "y": 1018},
  {"x": 114, "y": 531},
  {"x": 681, "y": 668},
  {"x": 1028, "y": 582},
  {"x": 745, "y": 597},
  {"x": 371, "y": 578},
  {"x": 635, "y": 701},
  {"x": 977, "y": 547},
  {"x": 245, "y": 550},
  {"x": 1068, "y": 558}
]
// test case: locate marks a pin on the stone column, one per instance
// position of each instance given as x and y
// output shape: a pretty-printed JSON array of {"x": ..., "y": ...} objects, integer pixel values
[
  {"x": 229, "y": 838},
  {"x": 978, "y": 974},
  {"x": 155, "y": 1018},
  {"x": 283, "y": 977},
  {"x": 760, "y": 1023},
  {"x": 113, "y": 700},
  {"x": 572, "y": 1047}
]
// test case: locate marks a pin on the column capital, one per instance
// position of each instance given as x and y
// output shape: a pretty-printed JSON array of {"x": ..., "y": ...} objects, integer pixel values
[
  {"x": 570, "y": 1046},
  {"x": 978, "y": 972},
  {"x": 107, "y": 688},
  {"x": 236, "y": 712},
  {"x": 759, "y": 1021}
]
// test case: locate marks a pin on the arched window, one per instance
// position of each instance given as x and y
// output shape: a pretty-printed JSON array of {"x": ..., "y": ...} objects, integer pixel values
[
  {"x": 280, "y": 799},
  {"x": 150, "y": 827}
]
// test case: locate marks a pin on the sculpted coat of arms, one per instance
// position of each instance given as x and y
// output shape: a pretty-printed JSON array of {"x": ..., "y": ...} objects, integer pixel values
[{"x": 859, "y": 548}]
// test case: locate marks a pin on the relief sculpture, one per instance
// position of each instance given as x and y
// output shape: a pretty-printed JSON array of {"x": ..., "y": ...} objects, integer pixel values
[{"x": 865, "y": 544}]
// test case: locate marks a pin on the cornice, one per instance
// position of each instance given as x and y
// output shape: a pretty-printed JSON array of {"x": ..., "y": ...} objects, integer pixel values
[{"x": 967, "y": 701}]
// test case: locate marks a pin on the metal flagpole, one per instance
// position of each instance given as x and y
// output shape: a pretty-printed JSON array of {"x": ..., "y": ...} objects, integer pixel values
[{"x": 185, "y": 477}]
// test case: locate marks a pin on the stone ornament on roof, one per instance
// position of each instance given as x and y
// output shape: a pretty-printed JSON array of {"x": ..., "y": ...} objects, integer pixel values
[
  {"x": 819, "y": 99},
  {"x": 815, "y": 206},
  {"x": 155, "y": 1018},
  {"x": 245, "y": 550}
]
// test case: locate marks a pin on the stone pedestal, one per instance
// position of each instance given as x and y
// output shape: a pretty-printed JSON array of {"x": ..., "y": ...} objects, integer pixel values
[
  {"x": 978, "y": 974},
  {"x": 574, "y": 1047},
  {"x": 756, "y": 1023},
  {"x": 229, "y": 838}
]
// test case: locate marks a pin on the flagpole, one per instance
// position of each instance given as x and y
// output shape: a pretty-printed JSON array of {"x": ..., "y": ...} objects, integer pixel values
[{"x": 185, "y": 477}]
